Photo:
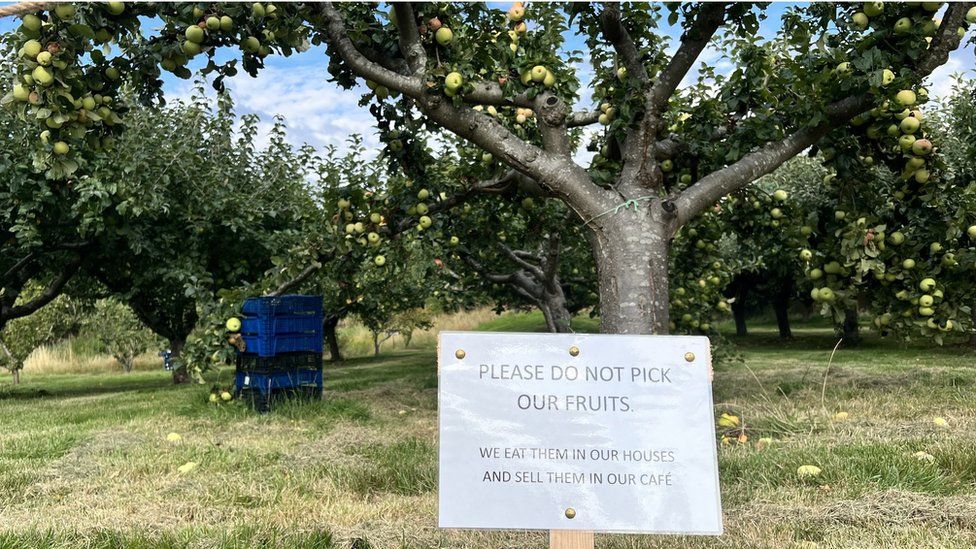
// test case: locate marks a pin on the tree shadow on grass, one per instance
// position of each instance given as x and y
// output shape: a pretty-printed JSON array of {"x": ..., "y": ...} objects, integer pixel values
[{"x": 108, "y": 385}]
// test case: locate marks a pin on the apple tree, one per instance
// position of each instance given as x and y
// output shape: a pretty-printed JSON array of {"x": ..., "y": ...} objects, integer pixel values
[
  {"x": 120, "y": 332},
  {"x": 827, "y": 66},
  {"x": 57, "y": 320}
]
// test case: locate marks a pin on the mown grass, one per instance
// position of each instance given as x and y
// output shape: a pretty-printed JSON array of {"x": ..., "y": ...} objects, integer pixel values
[{"x": 84, "y": 460}]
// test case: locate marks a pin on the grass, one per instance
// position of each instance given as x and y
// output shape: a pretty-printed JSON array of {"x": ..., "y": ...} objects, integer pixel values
[{"x": 84, "y": 460}]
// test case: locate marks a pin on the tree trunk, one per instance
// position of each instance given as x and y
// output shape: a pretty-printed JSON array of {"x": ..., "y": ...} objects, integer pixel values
[
  {"x": 16, "y": 374},
  {"x": 972, "y": 338},
  {"x": 554, "y": 309},
  {"x": 331, "y": 338},
  {"x": 406, "y": 339},
  {"x": 851, "y": 333},
  {"x": 376, "y": 344},
  {"x": 631, "y": 253},
  {"x": 180, "y": 372},
  {"x": 781, "y": 306}
]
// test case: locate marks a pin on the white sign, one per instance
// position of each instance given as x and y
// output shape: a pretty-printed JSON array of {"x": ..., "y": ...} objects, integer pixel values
[{"x": 610, "y": 433}]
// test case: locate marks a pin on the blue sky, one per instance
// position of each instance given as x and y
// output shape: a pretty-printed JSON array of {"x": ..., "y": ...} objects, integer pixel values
[{"x": 320, "y": 113}]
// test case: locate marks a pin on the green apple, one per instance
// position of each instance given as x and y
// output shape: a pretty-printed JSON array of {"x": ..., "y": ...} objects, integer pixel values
[
  {"x": 226, "y": 23},
  {"x": 115, "y": 8},
  {"x": 906, "y": 98},
  {"x": 251, "y": 44},
  {"x": 550, "y": 79},
  {"x": 908, "y": 264},
  {"x": 860, "y": 21},
  {"x": 444, "y": 36},
  {"x": 32, "y": 22},
  {"x": 901, "y": 115},
  {"x": 776, "y": 213},
  {"x": 455, "y": 241},
  {"x": 539, "y": 73},
  {"x": 971, "y": 232},
  {"x": 359, "y": 227},
  {"x": 373, "y": 238},
  {"x": 667, "y": 165},
  {"x": 909, "y": 125},
  {"x": 839, "y": 215},
  {"x": 64, "y": 11},
  {"x": 44, "y": 58},
  {"x": 61, "y": 148},
  {"x": 806, "y": 255},
  {"x": 528, "y": 203},
  {"x": 375, "y": 218},
  {"x": 844, "y": 69},
  {"x": 873, "y": 9},
  {"x": 832, "y": 268},
  {"x": 806, "y": 230},
  {"x": 926, "y": 301},
  {"x": 926, "y": 311},
  {"x": 971, "y": 15},
  {"x": 425, "y": 221},
  {"x": 935, "y": 248},
  {"x": 257, "y": 10},
  {"x": 516, "y": 14},
  {"x": 780, "y": 195},
  {"x": 379, "y": 261},
  {"x": 826, "y": 294},
  {"x": 922, "y": 176},
  {"x": 903, "y": 26},
  {"x": 914, "y": 163},
  {"x": 191, "y": 48},
  {"x": 931, "y": 6},
  {"x": 921, "y": 147},
  {"x": 422, "y": 208},
  {"x": 233, "y": 324},
  {"x": 453, "y": 81},
  {"x": 32, "y": 48},
  {"x": 903, "y": 295},
  {"x": 343, "y": 204},
  {"x": 21, "y": 93},
  {"x": 213, "y": 23},
  {"x": 350, "y": 228},
  {"x": 887, "y": 77},
  {"x": 906, "y": 142},
  {"x": 195, "y": 34},
  {"x": 213, "y": 398},
  {"x": 225, "y": 396}
]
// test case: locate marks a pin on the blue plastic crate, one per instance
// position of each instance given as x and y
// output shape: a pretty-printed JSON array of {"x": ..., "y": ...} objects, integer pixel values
[
  {"x": 283, "y": 305},
  {"x": 285, "y": 324},
  {"x": 267, "y": 382},
  {"x": 267, "y": 345},
  {"x": 282, "y": 324}
]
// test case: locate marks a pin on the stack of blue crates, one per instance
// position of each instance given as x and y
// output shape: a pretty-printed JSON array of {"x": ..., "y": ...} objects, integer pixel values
[{"x": 283, "y": 349}]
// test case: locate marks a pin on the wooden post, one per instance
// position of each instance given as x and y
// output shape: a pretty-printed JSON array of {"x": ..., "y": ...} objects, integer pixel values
[{"x": 570, "y": 539}]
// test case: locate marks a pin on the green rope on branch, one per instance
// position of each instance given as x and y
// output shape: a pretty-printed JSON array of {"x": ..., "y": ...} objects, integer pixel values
[{"x": 633, "y": 203}]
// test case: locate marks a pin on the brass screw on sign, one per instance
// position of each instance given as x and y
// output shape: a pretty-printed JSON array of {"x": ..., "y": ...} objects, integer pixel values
[
  {"x": 570, "y": 513},
  {"x": 574, "y": 351},
  {"x": 690, "y": 357},
  {"x": 459, "y": 353}
]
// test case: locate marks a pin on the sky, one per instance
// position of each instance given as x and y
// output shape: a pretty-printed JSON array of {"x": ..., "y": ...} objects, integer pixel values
[{"x": 320, "y": 113}]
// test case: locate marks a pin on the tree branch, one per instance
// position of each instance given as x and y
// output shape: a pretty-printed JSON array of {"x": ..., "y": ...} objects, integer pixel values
[
  {"x": 410, "y": 45},
  {"x": 289, "y": 285},
  {"x": 557, "y": 172},
  {"x": 49, "y": 294},
  {"x": 614, "y": 31},
  {"x": 710, "y": 188},
  {"x": 336, "y": 32},
  {"x": 535, "y": 270},
  {"x": 585, "y": 118},
  {"x": 711, "y": 15}
]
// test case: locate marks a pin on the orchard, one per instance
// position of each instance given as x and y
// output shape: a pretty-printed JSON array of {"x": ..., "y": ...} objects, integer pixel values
[
  {"x": 749, "y": 173},
  {"x": 667, "y": 153}
]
